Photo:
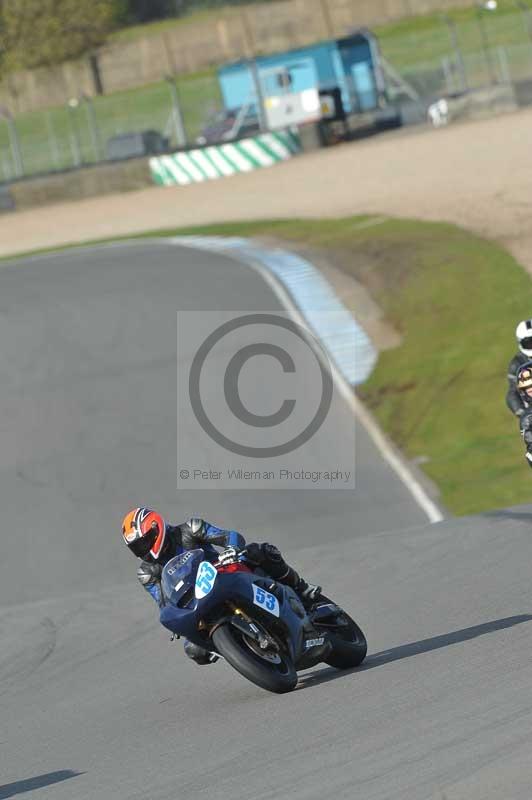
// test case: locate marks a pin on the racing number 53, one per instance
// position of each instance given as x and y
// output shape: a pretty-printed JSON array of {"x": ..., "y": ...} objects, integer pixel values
[
  {"x": 265, "y": 600},
  {"x": 205, "y": 579}
]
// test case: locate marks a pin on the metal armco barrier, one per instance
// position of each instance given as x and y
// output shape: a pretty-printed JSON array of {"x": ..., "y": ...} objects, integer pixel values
[{"x": 222, "y": 161}]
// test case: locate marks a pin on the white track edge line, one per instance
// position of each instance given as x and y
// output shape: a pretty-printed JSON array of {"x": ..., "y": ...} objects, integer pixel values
[{"x": 419, "y": 494}]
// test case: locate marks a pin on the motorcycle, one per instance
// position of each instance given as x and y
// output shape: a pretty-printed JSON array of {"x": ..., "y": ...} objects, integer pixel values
[{"x": 259, "y": 626}]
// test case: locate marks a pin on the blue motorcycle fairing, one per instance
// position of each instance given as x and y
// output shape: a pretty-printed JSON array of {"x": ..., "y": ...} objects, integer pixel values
[
  {"x": 154, "y": 589},
  {"x": 178, "y": 580}
]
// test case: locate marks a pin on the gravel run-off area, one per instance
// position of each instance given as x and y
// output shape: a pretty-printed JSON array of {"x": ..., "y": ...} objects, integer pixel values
[{"x": 476, "y": 174}]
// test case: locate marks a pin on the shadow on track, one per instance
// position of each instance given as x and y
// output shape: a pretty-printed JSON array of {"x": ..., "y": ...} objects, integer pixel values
[
  {"x": 414, "y": 649},
  {"x": 525, "y": 516},
  {"x": 38, "y": 782}
]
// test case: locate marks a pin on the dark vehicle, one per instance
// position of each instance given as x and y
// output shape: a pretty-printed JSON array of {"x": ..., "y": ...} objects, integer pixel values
[
  {"x": 135, "y": 145},
  {"x": 259, "y": 626},
  {"x": 230, "y": 124}
]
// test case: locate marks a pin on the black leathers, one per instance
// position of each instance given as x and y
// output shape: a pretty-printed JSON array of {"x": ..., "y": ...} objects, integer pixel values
[{"x": 514, "y": 401}]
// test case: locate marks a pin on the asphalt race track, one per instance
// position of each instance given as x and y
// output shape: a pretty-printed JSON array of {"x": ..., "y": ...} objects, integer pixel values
[{"x": 95, "y": 701}]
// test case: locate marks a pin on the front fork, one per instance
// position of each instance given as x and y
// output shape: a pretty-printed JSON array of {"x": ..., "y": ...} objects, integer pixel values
[{"x": 246, "y": 625}]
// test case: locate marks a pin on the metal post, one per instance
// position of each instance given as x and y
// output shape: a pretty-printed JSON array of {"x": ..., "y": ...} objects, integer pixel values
[
  {"x": 327, "y": 19},
  {"x": 52, "y": 140},
  {"x": 453, "y": 33},
  {"x": 14, "y": 142},
  {"x": 93, "y": 128},
  {"x": 506, "y": 76},
  {"x": 94, "y": 65},
  {"x": 263, "y": 123},
  {"x": 177, "y": 115},
  {"x": 448, "y": 73},
  {"x": 75, "y": 142},
  {"x": 526, "y": 12},
  {"x": 485, "y": 44},
  {"x": 249, "y": 43}
]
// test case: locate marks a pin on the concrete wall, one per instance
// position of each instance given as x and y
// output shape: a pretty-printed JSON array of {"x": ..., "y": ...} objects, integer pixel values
[
  {"x": 236, "y": 33},
  {"x": 78, "y": 184}
]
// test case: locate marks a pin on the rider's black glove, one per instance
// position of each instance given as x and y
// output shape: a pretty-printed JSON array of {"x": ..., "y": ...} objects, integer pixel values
[{"x": 263, "y": 554}]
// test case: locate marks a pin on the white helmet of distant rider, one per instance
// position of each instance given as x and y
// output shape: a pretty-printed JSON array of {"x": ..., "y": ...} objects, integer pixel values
[{"x": 524, "y": 337}]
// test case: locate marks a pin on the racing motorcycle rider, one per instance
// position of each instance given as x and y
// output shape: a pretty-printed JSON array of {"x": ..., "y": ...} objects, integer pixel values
[
  {"x": 524, "y": 387},
  {"x": 514, "y": 398},
  {"x": 149, "y": 538}
]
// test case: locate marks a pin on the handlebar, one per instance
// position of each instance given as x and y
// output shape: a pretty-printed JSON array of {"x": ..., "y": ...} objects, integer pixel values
[{"x": 241, "y": 554}]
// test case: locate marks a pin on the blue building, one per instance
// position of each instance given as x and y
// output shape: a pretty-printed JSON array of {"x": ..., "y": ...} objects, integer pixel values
[{"x": 349, "y": 67}]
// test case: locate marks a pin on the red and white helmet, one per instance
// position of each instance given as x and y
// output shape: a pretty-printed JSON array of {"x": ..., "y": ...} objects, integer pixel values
[{"x": 144, "y": 531}]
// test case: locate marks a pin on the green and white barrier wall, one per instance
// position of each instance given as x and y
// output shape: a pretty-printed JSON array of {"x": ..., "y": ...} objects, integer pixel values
[{"x": 224, "y": 160}]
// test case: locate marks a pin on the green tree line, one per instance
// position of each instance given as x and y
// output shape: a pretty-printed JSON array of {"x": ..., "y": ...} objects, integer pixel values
[
  {"x": 36, "y": 33},
  {"x": 145, "y": 10}
]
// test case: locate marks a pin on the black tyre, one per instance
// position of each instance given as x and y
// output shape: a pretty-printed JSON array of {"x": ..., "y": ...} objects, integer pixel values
[
  {"x": 348, "y": 641},
  {"x": 273, "y": 672}
]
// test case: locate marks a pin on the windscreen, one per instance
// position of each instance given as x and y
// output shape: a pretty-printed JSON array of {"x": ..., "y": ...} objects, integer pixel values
[{"x": 179, "y": 574}]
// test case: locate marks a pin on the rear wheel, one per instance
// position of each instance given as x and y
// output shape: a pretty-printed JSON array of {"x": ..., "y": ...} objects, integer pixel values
[
  {"x": 268, "y": 669},
  {"x": 349, "y": 645}
]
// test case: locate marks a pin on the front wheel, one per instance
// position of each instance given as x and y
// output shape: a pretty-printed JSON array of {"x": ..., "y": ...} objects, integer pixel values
[{"x": 273, "y": 672}]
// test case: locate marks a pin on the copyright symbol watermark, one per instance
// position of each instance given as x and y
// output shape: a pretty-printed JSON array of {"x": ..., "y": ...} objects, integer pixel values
[
  {"x": 231, "y": 385},
  {"x": 255, "y": 393}
]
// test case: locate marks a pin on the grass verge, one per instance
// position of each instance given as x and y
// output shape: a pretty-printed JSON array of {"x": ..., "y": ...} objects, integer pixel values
[{"x": 455, "y": 298}]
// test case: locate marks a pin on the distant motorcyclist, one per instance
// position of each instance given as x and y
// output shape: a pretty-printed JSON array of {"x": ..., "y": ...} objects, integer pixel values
[
  {"x": 514, "y": 398},
  {"x": 524, "y": 387},
  {"x": 517, "y": 399},
  {"x": 149, "y": 537}
]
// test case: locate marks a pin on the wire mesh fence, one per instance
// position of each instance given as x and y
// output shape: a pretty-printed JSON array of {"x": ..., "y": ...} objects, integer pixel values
[
  {"x": 436, "y": 40},
  {"x": 455, "y": 73},
  {"x": 447, "y": 57},
  {"x": 82, "y": 131}
]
